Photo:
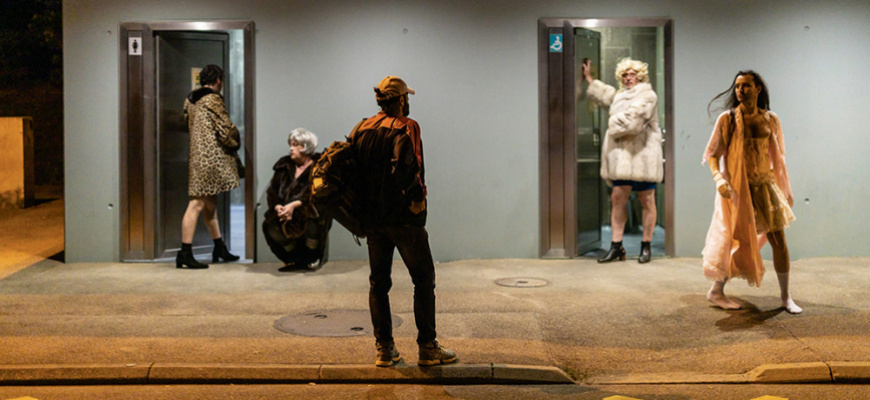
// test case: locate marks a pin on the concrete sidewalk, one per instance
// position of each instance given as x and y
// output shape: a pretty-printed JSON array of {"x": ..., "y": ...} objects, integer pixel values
[
  {"x": 619, "y": 323},
  {"x": 30, "y": 235}
]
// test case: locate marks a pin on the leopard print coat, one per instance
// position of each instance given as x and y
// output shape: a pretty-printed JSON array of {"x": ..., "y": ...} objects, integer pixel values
[{"x": 210, "y": 169}]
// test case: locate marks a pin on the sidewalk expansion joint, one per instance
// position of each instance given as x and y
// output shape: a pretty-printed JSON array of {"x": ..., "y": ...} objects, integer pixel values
[{"x": 181, "y": 373}]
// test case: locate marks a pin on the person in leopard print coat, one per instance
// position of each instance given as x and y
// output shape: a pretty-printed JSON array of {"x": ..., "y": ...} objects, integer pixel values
[{"x": 212, "y": 168}]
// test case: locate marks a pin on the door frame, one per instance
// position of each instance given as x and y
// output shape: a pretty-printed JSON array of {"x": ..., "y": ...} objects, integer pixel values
[
  {"x": 556, "y": 120},
  {"x": 168, "y": 227},
  {"x": 136, "y": 125}
]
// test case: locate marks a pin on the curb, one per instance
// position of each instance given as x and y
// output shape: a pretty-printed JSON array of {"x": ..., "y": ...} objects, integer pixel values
[
  {"x": 177, "y": 373},
  {"x": 453, "y": 374},
  {"x": 813, "y": 372}
]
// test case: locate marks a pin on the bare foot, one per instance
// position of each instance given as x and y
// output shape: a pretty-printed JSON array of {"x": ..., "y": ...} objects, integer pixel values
[
  {"x": 789, "y": 305},
  {"x": 721, "y": 300}
]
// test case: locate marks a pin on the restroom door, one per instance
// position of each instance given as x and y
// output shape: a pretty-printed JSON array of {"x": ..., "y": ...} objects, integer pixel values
[
  {"x": 588, "y": 144},
  {"x": 567, "y": 169},
  {"x": 179, "y": 57}
]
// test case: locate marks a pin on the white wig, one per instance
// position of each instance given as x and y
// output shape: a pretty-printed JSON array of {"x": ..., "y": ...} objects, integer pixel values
[
  {"x": 307, "y": 139},
  {"x": 639, "y": 67}
]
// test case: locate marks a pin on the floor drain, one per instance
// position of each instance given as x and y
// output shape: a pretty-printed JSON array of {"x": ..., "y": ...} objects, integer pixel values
[
  {"x": 521, "y": 282},
  {"x": 335, "y": 323}
]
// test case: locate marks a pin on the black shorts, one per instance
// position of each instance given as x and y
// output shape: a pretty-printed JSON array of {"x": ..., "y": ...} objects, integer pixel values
[{"x": 636, "y": 186}]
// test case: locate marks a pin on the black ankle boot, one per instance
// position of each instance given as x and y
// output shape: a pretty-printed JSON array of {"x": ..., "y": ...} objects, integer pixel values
[
  {"x": 185, "y": 259},
  {"x": 221, "y": 251},
  {"x": 644, "y": 253},
  {"x": 616, "y": 252}
]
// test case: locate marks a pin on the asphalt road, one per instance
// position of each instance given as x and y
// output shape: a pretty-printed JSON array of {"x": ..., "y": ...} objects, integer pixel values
[{"x": 398, "y": 392}]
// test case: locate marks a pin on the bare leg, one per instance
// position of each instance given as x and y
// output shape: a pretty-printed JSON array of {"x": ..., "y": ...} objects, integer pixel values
[
  {"x": 782, "y": 266},
  {"x": 717, "y": 296},
  {"x": 648, "y": 201},
  {"x": 618, "y": 215},
  {"x": 210, "y": 217},
  {"x": 188, "y": 222}
]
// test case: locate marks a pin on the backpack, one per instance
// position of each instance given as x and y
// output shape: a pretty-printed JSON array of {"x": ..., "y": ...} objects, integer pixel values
[{"x": 333, "y": 186}]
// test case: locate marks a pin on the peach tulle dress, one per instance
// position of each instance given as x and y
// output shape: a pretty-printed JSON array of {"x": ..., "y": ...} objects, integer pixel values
[{"x": 760, "y": 202}]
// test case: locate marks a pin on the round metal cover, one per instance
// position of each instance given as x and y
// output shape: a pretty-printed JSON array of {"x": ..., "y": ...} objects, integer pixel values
[
  {"x": 332, "y": 323},
  {"x": 521, "y": 282}
]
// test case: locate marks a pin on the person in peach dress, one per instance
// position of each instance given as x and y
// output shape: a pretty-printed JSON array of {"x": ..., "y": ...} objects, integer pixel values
[{"x": 746, "y": 153}]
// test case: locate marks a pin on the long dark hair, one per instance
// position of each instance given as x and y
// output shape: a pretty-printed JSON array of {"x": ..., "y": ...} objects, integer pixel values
[{"x": 730, "y": 98}]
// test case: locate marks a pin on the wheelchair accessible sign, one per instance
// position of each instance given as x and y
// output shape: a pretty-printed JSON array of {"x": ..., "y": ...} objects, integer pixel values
[{"x": 555, "y": 43}]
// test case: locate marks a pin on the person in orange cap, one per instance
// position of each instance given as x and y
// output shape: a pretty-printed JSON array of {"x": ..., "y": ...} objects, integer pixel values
[{"x": 392, "y": 200}]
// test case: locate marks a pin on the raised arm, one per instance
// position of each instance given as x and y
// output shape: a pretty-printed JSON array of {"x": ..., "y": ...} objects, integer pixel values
[
  {"x": 587, "y": 73},
  {"x": 601, "y": 93}
]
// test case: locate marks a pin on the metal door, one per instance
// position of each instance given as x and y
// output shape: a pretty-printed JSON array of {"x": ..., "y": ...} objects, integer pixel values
[
  {"x": 588, "y": 144},
  {"x": 179, "y": 57}
]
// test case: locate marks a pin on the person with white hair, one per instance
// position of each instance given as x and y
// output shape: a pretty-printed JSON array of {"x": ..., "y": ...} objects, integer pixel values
[
  {"x": 294, "y": 231},
  {"x": 631, "y": 157}
]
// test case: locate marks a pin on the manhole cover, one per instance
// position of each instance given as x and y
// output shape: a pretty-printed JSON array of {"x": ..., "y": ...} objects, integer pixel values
[
  {"x": 521, "y": 282},
  {"x": 333, "y": 323}
]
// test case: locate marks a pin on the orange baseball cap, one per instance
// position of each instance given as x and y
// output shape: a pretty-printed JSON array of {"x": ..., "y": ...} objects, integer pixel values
[{"x": 392, "y": 86}]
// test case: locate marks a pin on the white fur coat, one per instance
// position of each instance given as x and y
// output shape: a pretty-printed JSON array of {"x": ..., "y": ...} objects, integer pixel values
[{"x": 633, "y": 142}]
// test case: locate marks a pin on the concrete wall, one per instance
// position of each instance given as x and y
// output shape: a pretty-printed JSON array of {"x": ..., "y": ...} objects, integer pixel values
[{"x": 474, "y": 66}]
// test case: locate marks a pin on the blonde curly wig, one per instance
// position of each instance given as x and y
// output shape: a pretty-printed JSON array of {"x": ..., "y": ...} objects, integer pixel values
[{"x": 639, "y": 67}]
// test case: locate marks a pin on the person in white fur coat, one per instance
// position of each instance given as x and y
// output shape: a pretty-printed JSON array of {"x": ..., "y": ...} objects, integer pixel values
[{"x": 631, "y": 158}]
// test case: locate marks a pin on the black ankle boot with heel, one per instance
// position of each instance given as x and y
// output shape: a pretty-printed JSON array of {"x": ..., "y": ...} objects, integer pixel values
[
  {"x": 222, "y": 252},
  {"x": 616, "y": 252},
  {"x": 185, "y": 259},
  {"x": 645, "y": 253}
]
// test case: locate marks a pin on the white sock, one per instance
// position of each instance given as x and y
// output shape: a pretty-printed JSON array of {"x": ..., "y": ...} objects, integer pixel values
[
  {"x": 787, "y": 302},
  {"x": 717, "y": 296}
]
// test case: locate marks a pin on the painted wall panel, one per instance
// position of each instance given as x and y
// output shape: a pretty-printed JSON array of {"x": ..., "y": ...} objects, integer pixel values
[{"x": 474, "y": 66}]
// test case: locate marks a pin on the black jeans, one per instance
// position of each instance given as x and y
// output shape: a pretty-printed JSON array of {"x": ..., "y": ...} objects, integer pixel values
[{"x": 413, "y": 245}]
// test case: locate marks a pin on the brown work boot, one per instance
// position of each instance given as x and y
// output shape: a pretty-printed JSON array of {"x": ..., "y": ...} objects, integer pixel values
[
  {"x": 433, "y": 353},
  {"x": 387, "y": 355}
]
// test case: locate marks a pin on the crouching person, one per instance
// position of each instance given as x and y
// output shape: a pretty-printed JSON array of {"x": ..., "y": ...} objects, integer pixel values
[{"x": 296, "y": 234}]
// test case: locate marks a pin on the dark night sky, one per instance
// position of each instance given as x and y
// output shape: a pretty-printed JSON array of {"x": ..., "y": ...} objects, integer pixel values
[
  {"x": 30, "y": 42},
  {"x": 31, "y": 78}
]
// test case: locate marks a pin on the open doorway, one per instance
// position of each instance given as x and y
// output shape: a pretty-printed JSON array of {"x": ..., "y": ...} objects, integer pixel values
[
  {"x": 161, "y": 61},
  {"x": 575, "y": 201}
]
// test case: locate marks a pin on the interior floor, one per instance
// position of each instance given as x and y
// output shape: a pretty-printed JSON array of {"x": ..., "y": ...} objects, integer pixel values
[
  {"x": 631, "y": 242},
  {"x": 237, "y": 230}
]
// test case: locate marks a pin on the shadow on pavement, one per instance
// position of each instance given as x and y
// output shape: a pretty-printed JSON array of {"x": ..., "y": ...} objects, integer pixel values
[
  {"x": 327, "y": 269},
  {"x": 59, "y": 257}
]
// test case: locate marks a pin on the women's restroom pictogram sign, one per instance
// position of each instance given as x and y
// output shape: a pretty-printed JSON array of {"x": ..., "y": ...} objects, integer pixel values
[{"x": 134, "y": 47}]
